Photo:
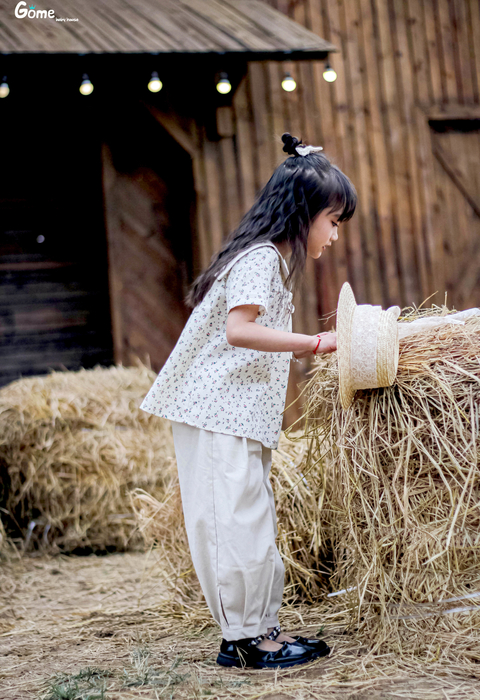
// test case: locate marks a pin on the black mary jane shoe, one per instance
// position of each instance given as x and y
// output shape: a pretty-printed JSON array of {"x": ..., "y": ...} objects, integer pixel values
[
  {"x": 243, "y": 653},
  {"x": 317, "y": 645}
]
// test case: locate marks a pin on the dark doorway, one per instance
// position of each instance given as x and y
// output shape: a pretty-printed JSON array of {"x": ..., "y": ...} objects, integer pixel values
[
  {"x": 152, "y": 245},
  {"x": 54, "y": 296}
]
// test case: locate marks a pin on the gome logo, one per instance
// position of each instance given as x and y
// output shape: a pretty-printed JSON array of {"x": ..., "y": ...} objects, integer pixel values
[{"x": 21, "y": 12}]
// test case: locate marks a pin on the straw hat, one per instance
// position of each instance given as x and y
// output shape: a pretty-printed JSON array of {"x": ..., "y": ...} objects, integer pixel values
[{"x": 367, "y": 345}]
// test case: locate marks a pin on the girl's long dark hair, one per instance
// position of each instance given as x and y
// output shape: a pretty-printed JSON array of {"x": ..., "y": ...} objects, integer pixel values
[{"x": 299, "y": 189}]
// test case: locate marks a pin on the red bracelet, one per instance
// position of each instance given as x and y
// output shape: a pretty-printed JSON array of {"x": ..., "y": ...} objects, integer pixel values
[{"x": 319, "y": 339}]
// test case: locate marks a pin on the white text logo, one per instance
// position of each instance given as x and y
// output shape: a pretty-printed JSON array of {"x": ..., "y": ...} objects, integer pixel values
[{"x": 22, "y": 12}]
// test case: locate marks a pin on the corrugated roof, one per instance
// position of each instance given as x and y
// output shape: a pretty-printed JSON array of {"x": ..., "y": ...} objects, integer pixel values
[{"x": 166, "y": 26}]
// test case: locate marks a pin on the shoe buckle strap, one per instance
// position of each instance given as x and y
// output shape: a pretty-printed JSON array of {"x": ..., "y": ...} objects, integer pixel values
[{"x": 274, "y": 633}]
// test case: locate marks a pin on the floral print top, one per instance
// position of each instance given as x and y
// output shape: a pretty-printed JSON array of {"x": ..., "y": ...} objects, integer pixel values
[{"x": 208, "y": 383}]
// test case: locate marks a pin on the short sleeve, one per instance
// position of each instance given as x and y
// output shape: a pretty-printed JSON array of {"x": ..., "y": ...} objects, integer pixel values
[{"x": 250, "y": 279}]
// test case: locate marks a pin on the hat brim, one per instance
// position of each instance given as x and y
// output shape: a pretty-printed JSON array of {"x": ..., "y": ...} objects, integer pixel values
[{"x": 345, "y": 310}]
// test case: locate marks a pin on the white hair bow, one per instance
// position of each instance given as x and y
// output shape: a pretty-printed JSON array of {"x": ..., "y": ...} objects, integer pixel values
[{"x": 305, "y": 150}]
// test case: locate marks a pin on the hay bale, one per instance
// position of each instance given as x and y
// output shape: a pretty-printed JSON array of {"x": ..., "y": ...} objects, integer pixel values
[
  {"x": 400, "y": 519},
  {"x": 72, "y": 447}
]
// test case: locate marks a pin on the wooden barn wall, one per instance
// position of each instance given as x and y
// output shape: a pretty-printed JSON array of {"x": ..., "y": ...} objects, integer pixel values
[{"x": 400, "y": 64}]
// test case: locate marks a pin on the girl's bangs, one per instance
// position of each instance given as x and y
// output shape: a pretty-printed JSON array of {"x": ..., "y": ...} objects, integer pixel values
[{"x": 342, "y": 195}]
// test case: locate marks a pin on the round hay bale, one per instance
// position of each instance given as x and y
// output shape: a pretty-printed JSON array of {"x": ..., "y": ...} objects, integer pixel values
[{"x": 72, "y": 447}]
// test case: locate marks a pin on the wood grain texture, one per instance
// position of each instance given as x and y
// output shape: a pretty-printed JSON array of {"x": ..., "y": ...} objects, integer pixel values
[{"x": 187, "y": 26}]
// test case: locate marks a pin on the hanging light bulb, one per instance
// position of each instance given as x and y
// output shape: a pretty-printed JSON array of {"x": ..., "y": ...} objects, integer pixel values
[
  {"x": 288, "y": 83},
  {"x": 86, "y": 88},
  {"x": 4, "y": 89},
  {"x": 224, "y": 86},
  {"x": 155, "y": 84},
  {"x": 329, "y": 74}
]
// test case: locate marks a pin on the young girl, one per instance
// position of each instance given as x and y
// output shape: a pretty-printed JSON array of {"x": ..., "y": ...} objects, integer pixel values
[{"x": 223, "y": 388}]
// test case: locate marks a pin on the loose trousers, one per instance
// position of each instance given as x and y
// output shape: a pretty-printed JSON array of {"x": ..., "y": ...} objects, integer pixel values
[{"x": 231, "y": 526}]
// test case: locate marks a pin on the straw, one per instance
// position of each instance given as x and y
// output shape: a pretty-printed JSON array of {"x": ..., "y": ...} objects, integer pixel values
[{"x": 72, "y": 447}]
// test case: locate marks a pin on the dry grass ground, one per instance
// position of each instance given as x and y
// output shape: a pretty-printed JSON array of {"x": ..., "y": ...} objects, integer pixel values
[{"x": 102, "y": 628}]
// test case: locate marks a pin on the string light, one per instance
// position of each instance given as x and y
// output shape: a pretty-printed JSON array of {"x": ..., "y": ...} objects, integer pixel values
[
  {"x": 86, "y": 88},
  {"x": 288, "y": 83},
  {"x": 224, "y": 86},
  {"x": 329, "y": 74},
  {"x": 155, "y": 84},
  {"x": 4, "y": 89}
]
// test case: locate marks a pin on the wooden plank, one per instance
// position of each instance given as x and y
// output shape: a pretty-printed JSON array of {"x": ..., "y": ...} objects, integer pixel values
[
  {"x": 336, "y": 94},
  {"x": 135, "y": 26},
  {"x": 344, "y": 115},
  {"x": 445, "y": 45},
  {"x": 459, "y": 9},
  {"x": 53, "y": 316},
  {"x": 204, "y": 242},
  {"x": 106, "y": 31},
  {"x": 293, "y": 35},
  {"x": 454, "y": 255},
  {"x": 173, "y": 127},
  {"x": 224, "y": 120},
  {"x": 361, "y": 142},
  {"x": 231, "y": 188},
  {"x": 40, "y": 265},
  {"x": 309, "y": 294},
  {"x": 272, "y": 86},
  {"x": 213, "y": 191},
  {"x": 396, "y": 155},
  {"x": 167, "y": 318},
  {"x": 235, "y": 21},
  {"x": 418, "y": 50},
  {"x": 433, "y": 218},
  {"x": 245, "y": 149},
  {"x": 306, "y": 103},
  {"x": 277, "y": 121},
  {"x": 452, "y": 167},
  {"x": 256, "y": 74},
  {"x": 169, "y": 23},
  {"x": 324, "y": 97},
  {"x": 28, "y": 363},
  {"x": 461, "y": 232},
  {"x": 428, "y": 7},
  {"x": 469, "y": 270},
  {"x": 452, "y": 111},
  {"x": 407, "y": 114},
  {"x": 310, "y": 120},
  {"x": 191, "y": 15},
  {"x": 8, "y": 40},
  {"x": 28, "y": 296},
  {"x": 382, "y": 213},
  {"x": 39, "y": 36},
  {"x": 109, "y": 177},
  {"x": 473, "y": 22}
]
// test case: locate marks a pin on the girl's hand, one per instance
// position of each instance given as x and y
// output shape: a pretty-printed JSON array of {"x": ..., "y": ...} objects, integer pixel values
[{"x": 328, "y": 343}]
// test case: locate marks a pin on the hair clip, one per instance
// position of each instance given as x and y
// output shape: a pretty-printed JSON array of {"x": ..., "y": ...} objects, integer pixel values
[{"x": 305, "y": 150}]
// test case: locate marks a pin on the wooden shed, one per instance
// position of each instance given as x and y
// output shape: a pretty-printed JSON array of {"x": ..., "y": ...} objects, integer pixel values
[
  {"x": 402, "y": 120},
  {"x": 112, "y": 203}
]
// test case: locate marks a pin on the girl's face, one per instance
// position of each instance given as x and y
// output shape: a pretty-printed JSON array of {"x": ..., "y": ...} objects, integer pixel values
[{"x": 323, "y": 230}]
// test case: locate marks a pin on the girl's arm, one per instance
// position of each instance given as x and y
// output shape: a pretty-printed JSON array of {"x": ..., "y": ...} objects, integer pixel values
[{"x": 243, "y": 332}]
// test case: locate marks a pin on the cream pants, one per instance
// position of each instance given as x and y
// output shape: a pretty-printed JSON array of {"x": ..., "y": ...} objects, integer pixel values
[{"x": 231, "y": 527}]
